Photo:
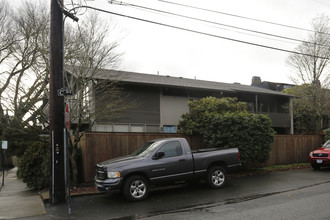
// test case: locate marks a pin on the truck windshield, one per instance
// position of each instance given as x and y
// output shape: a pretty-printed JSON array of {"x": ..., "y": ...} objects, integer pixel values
[
  {"x": 145, "y": 149},
  {"x": 327, "y": 144}
]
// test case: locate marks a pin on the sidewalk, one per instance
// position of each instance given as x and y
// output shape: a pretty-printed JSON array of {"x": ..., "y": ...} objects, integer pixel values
[{"x": 16, "y": 201}]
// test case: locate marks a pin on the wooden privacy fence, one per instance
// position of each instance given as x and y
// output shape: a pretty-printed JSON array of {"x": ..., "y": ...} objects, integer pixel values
[
  {"x": 98, "y": 147},
  {"x": 288, "y": 149}
]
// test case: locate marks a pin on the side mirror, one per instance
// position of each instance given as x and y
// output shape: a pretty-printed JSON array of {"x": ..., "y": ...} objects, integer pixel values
[{"x": 159, "y": 155}]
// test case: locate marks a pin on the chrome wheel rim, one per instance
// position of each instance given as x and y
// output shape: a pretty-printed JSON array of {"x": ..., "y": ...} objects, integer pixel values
[
  {"x": 138, "y": 189},
  {"x": 218, "y": 178}
]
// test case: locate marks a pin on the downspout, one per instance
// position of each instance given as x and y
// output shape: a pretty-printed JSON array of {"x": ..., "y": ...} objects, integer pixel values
[
  {"x": 291, "y": 115},
  {"x": 256, "y": 104}
]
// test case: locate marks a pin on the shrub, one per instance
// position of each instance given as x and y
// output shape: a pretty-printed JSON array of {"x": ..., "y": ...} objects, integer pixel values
[
  {"x": 33, "y": 166},
  {"x": 225, "y": 123},
  {"x": 250, "y": 133}
]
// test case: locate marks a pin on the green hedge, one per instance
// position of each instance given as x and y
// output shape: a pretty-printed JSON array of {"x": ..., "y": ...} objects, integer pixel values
[
  {"x": 250, "y": 133},
  {"x": 33, "y": 166},
  {"x": 225, "y": 123}
]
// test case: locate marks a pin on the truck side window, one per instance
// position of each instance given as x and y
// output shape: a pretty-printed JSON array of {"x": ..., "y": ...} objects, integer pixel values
[{"x": 171, "y": 149}]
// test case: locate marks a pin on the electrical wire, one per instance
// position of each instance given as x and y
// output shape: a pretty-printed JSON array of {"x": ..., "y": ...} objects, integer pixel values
[
  {"x": 66, "y": 12},
  {"x": 76, "y": 7},
  {"x": 244, "y": 17},
  {"x": 203, "y": 33},
  {"x": 323, "y": 3},
  {"x": 216, "y": 23}
]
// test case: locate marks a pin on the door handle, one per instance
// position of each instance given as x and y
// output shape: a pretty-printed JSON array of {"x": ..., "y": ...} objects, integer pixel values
[{"x": 182, "y": 160}]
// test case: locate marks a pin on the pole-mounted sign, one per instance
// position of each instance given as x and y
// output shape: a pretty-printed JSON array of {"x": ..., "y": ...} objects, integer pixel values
[
  {"x": 4, "y": 145},
  {"x": 64, "y": 92}
]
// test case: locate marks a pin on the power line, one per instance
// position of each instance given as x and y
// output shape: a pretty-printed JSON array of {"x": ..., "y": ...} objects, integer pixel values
[
  {"x": 216, "y": 23},
  {"x": 202, "y": 33},
  {"x": 244, "y": 17},
  {"x": 320, "y": 2}
]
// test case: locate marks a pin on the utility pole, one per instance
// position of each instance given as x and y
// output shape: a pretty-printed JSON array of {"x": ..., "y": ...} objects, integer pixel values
[{"x": 56, "y": 104}]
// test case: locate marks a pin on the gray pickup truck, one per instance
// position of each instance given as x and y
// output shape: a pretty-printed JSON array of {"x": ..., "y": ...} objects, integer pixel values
[{"x": 164, "y": 161}]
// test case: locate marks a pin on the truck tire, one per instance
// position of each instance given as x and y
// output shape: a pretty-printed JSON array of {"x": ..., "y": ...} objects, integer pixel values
[
  {"x": 316, "y": 166},
  {"x": 136, "y": 188},
  {"x": 216, "y": 177}
]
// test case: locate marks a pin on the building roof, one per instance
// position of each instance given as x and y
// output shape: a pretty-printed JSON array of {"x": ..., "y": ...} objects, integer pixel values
[
  {"x": 276, "y": 86},
  {"x": 179, "y": 82}
]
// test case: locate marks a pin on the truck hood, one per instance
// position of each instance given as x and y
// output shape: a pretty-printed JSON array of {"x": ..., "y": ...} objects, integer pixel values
[
  {"x": 120, "y": 162},
  {"x": 322, "y": 150}
]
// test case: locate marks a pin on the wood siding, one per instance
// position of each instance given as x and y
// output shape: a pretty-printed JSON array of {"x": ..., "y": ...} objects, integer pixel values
[{"x": 98, "y": 147}]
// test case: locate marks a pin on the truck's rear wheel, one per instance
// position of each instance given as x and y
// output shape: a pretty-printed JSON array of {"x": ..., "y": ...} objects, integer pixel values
[
  {"x": 217, "y": 177},
  {"x": 136, "y": 188}
]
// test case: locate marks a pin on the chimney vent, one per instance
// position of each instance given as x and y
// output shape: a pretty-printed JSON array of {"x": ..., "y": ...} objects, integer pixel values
[{"x": 256, "y": 80}]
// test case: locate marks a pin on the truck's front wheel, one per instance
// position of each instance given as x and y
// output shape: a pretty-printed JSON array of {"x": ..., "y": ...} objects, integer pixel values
[
  {"x": 136, "y": 188},
  {"x": 216, "y": 177},
  {"x": 316, "y": 166}
]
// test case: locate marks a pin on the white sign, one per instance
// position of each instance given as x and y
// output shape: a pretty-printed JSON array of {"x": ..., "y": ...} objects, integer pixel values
[
  {"x": 64, "y": 92},
  {"x": 4, "y": 145}
]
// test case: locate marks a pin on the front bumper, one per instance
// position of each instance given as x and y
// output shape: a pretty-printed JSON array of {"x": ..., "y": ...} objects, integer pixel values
[
  {"x": 108, "y": 185},
  {"x": 321, "y": 161}
]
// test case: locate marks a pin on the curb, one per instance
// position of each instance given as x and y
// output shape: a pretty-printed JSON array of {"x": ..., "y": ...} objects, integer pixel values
[
  {"x": 45, "y": 195},
  {"x": 2, "y": 180}
]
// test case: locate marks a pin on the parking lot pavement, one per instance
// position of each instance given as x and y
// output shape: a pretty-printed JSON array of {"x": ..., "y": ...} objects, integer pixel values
[{"x": 16, "y": 201}]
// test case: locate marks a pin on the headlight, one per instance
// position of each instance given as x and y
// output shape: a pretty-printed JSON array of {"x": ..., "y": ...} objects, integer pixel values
[
  {"x": 311, "y": 154},
  {"x": 113, "y": 175}
]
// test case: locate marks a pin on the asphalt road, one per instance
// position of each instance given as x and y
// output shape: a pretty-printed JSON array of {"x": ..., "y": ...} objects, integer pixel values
[
  {"x": 301, "y": 194},
  {"x": 310, "y": 202}
]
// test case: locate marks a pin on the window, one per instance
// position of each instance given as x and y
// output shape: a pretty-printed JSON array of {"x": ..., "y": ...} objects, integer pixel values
[
  {"x": 282, "y": 105},
  {"x": 286, "y": 87},
  {"x": 171, "y": 149},
  {"x": 137, "y": 128},
  {"x": 152, "y": 128},
  {"x": 121, "y": 128},
  {"x": 169, "y": 128}
]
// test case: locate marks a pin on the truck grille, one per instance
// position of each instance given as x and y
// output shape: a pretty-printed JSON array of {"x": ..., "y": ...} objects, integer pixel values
[
  {"x": 101, "y": 173},
  {"x": 320, "y": 155}
]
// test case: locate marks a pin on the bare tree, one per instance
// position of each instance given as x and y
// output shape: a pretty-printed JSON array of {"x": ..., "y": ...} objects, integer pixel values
[
  {"x": 23, "y": 73},
  {"x": 87, "y": 51},
  {"x": 6, "y": 46},
  {"x": 24, "y": 51},
  {"x": 24, "y": 68},
  {"x": 314, "y": 70}
]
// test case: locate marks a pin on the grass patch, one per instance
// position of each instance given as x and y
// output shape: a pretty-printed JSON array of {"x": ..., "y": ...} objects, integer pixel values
[
  {"x": 294, "y": 166},
  {"x": 270, "y": 169}
]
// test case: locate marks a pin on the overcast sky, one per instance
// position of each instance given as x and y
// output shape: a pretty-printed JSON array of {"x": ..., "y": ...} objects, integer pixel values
[{"x": 155, "y": 49}]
